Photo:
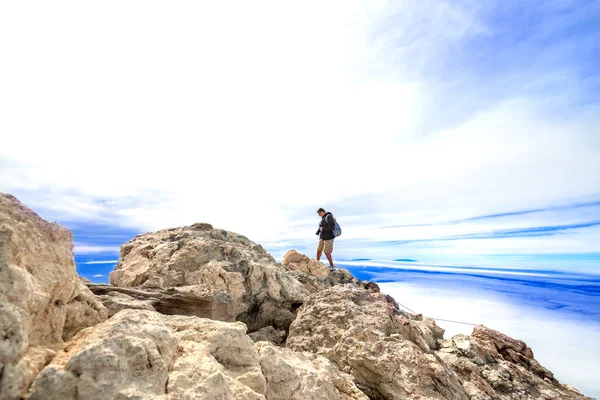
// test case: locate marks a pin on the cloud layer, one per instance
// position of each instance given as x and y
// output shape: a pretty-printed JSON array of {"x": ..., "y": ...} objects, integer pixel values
[{"x": 145, "y": 116}]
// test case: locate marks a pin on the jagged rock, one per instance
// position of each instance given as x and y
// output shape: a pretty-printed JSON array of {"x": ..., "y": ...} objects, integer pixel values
[
  {"x": 345, "y": 334},
  {"x": 18, "y": 376},
  {"x": 366, "y": 337},
  {"x": 392, "y": 353},
  {"x": 197, "y": 300},
  {"x": 300, "y": 376},
  {"x": 42, "y": 300},
  {"x": 492, "y": 365},
  {"x": 268, "y": 334},
  {"x": 143, "y": 354},
  {"x": 300, "y": 262},
  {"x": 261, "y": 294},
  {"x": 371, "y": 286}
]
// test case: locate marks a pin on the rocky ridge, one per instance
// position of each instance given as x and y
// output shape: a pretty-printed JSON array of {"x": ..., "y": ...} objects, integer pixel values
[{"x": 202, "y": 313}]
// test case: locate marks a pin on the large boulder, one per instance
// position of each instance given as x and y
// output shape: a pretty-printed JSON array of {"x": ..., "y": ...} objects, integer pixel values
[
  {"x": 143, "y": 354},
  {"x": 492, "y": 365},
  {"x": 300, "y": 376},
  {"x": 298, "y": 261},
  {"x": 42, "y": 301},
  {"x": 366, "y": 336},
  {"x": 261, "y": 293},
  {"x": 313, "y": 274}
]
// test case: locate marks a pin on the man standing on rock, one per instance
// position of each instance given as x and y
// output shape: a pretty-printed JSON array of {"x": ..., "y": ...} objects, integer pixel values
[{"x": 326, "y": 235}]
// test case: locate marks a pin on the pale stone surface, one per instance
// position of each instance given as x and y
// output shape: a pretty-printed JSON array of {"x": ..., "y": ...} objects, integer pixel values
[
  {"x": 393, "y": 354},
  {"x": 367, "y": 337},
  {"x": 492, "y": 365},
  {"x": 17, "y": 377},
  {"x": 300, "y": 262},
  {"x": 261, "y": 294},
  {"x": 347, "y": 340},
  {"x": 298, "y": 376},
  {"x": 140, "y": 354},
  {"x": 42, "y": 300},
  {"x": 128, "y": 356}
]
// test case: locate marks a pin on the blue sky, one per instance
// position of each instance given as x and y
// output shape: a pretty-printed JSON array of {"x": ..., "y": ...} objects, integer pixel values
[{"x": 432, "y": 129}]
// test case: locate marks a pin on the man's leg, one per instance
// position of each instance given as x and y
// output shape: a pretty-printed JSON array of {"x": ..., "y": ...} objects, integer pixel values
[
  {"x": 320, "y": 248},
  {"x": 328, "y": 249},
  {"x": 328, "y": 255}
]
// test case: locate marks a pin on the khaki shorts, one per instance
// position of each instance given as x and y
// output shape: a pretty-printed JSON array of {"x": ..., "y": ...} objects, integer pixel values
[{"x": 325, "y": 246}]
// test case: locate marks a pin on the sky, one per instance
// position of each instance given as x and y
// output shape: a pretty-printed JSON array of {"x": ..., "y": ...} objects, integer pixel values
[
  {"x": 476, "y": 123},
  {"x": 453, "y": 133},
  {"x": 426, "y": 127}
]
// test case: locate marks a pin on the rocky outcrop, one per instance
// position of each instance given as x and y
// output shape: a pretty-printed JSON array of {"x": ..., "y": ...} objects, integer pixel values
[
  {"x": 199, "y": 301},
  {"x": 181, "y": 305},
  {"x": 300, "y": 262},
  {"x": 492, "y": 365},
  {"x": 299, "y": 376},
  {"x": 314, "y": 275},
  {"x": 144, "y": 354},
  {"x": 42, "y": 301},
  {"x": 260, "y": 293},
  {"x": 396, "y": 355},
  {"x": 367, "y": 337}
]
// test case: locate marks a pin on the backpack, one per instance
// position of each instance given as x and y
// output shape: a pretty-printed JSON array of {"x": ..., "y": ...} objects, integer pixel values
[{"x": 337, "y": 229}]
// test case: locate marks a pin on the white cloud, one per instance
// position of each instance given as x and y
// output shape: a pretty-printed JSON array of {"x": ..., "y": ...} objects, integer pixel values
[
  {"x": 101, "y": 262},
  {"x": 569, "y": 348},
  {"x": 148, "y": 116},
  {"x": 86, "y": 249},
  {"x": 97, "y": 276}
]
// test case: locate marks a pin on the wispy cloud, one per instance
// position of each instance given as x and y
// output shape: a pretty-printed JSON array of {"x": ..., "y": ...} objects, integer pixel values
[
  {"x": 101, "y": 262},
  {"x": 434, "y": 115},
  {"x": 576, "y": 206},
  {"x": 84, "y": 249}
]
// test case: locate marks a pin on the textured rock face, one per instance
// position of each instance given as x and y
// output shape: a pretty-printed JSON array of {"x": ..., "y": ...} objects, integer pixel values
[
  {"x": 367, "y": 337},
  {"x": 494, "y": 366},
  {"x": 171, "y": 332},
  {"x": 395, "y": 355},
  {"x": 143, "y": 354},
  {"x": 42, "y": 301},
  {"x": 261, "y": 294},
  {"x": 299, "y": 262},
  {"x": 299, "y": 376},
  {"x": 268, "y": 334},
  {"x": 198, "y": 301}
]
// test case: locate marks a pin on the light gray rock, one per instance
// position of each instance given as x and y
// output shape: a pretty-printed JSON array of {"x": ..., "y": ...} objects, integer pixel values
[
  {"x": 140, "y": 354},
  {"x": 492, "y": 365},
  {"x": 299, "y": 262},
  {"x": 42, "y": 300},
  {"x": 366, "y": 336},
  {"x": 260, "y": 293},
  {"x": 299, "y": 376}
]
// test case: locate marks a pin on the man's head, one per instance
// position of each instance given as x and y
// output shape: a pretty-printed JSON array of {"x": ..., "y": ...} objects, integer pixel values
[{"x": 321, "y": 212}]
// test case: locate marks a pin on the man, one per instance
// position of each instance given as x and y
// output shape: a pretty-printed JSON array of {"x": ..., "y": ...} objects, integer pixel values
[{"x": 326, "y": 235}]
